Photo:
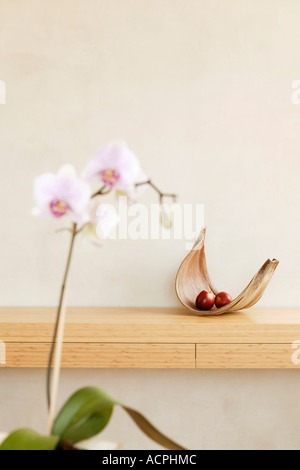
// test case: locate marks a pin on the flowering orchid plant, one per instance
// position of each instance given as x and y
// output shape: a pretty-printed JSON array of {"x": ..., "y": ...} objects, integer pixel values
[{"x": 66, "y": 195}]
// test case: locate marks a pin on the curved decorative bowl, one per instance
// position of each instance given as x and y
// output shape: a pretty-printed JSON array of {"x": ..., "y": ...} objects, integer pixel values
[{"x": 192, "y": 277}]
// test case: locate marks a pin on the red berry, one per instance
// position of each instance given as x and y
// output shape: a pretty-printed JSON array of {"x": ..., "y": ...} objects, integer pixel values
[
  {"x": 222, "y": 298},
  {"x": 205, "y": 300}
]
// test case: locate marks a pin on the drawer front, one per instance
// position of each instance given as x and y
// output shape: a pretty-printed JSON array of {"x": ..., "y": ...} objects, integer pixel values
[
  {"x": 247, "y": 356},
  {"x": 104, "y": 355}
]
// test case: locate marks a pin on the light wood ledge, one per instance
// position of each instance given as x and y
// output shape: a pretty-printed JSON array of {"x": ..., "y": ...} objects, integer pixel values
[{"x": 153, "y": 338}]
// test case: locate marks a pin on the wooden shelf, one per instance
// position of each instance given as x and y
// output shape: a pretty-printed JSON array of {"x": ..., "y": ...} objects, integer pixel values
[{"x": 152, "y": 338}]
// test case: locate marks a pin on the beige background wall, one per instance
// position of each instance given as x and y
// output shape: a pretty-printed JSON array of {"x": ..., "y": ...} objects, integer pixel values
[
  {"x": 215, "y": 409},
  {"x": 201, "y": 90}
]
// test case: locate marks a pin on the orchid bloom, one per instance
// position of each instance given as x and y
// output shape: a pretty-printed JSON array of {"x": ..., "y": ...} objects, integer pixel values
[
  {"x": 103, "y": 218},
  {"x": 116, "y": 166},
  {"x": 132, "y": 193},
  {"x": 61, "y": 195}
]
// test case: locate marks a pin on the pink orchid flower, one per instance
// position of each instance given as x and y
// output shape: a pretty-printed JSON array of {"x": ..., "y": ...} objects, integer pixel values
[
  {"x": 61, "y": 195},
  {"x": 134, "y": 191},
  {"x": 116, "y": 166}
]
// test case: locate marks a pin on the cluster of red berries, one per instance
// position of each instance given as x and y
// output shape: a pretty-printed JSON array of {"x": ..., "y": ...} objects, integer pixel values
[{"x": 206, "y": 300}]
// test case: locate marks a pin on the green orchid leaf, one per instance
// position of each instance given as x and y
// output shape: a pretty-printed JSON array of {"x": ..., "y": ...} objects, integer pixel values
[
  {"x": 84, "y": 415},
  {"x": 151, "y": 431},
  {"x": 88, "y": 412},
  {"x": 26, "y": 439}
]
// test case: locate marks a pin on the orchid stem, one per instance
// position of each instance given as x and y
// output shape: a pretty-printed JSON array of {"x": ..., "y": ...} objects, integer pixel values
[
  {"x": 52, "y": 385},
  {"x": 102, "y": 191},
  {"x": 156, "y": 189},
  {"x": 58, "y": 335}
]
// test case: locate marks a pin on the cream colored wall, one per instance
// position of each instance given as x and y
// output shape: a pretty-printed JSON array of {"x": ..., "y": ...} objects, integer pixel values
[
  {"x": 201, "y": 89},
  {"x": 201, "y": 409}
]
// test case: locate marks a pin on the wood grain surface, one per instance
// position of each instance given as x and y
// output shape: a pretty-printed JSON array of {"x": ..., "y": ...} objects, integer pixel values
[{"x": 152, "y": 337}]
